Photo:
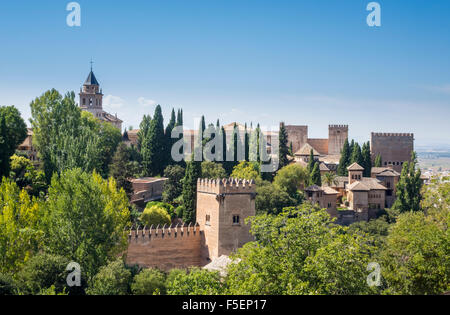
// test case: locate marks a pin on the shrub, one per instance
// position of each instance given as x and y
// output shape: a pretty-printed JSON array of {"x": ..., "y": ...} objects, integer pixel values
[
  {"x": 155, "y": 215},
  {"x": 112, "y": 279},
  {"x": 149, "y": 282}
]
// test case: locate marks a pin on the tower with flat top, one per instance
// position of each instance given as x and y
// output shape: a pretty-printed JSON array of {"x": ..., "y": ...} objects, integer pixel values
[{"x": 223, "y": 205}]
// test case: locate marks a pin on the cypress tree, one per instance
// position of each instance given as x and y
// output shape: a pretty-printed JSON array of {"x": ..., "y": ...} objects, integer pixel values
[
  {"x": 378, "y": 161},
  {"x": 227, "y": 165},
  {"x": 367, "y": 160},
  {"x": 235, "y": 142},
  {"x": 344, "y": 160},
  {"x": 253, "y": 145},
  {"x": 311, "y": 163},
  {"x": 154, "y": 158},
  {"x": 315, "y": 178},
  {"x": 169, "y": 141},
  {"x": 283, "y": 148},
  {"x": 246, "y": 144},
  {"x": 357, "y": 155},
  {"x": 409, "y": 187},
  {"x": 192, "y": 174}
]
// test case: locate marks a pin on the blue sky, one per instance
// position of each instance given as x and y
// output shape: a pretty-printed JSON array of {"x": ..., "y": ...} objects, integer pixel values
[{"x": 313, "y": 62}]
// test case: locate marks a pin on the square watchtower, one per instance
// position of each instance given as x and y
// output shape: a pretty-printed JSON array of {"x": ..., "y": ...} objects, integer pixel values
[{"x": 223, "y": 205}]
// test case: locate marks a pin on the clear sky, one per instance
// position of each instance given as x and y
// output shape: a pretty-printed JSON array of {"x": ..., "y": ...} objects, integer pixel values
[{"x": 313, "y": 62}]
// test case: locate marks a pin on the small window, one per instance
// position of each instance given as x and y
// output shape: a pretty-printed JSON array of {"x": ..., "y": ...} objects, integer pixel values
[
  {"x": 208, "y": 220},
  {"x": 236, "y": 220}
]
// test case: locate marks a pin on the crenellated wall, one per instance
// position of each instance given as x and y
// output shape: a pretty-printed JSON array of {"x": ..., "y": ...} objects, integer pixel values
[
  {"x": 166, "y": 247},
  {"x": 222, "y": 207},
  {"x": 337, "y": 134},
  {"x": 394, "y": 148}
]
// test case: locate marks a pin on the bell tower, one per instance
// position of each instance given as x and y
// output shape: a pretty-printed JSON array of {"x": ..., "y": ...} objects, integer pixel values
[{"x": 91, "y": 96}]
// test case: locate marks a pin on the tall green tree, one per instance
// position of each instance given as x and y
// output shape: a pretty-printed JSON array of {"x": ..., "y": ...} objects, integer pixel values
[
  {"x": 246, "y": 143},
  {"x": 13, "y": 132},
  {"x": 21, "y": 233},
  {"x": 409, "y": 187},
  {"x": 64, "y": 137},
  {"x": 85, "y": 219},
  {"x": 144, "y": 128},
  {"x": 367, "y": 159},
  {"x": 153, "y": 147},
  {"x": 357, "y": 156},
  {"x": 311, "y": 163},
  {"x": 344, "y": 161},
  {"x": 169, "y": 141},
  {"x": 283, "y": 146},
  {"x": 193, "y": 173},
  {"x": 315, "y": 177}
]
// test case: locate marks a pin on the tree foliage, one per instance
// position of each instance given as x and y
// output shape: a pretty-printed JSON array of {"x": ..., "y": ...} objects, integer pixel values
[
  {"x": 271, "y": 199},
  {"x": 344, "y": 161},
  {"x": 300, "y": 252},
  {"x": 156, "y": 216},
  {"x": 416, "y": 255},
  {"x": 112, "y": 279},
  {"x": 24, "y": 174},
  {"x": 173, "y": 187},
  {"x": 149, "y": 282},
  {"x": 66, "y": 138},
  {"x": 154, "y": 145},
  {"x": 246, "y": 170},
  {"x": 20, "y": 227},
  {"x": 283, "y": 146},
  {"x": 195, "y": 282},
  {"x": 13, "y": 132},
  {"x": 291, "y": 178},
  {"x": 212, "y": 170},
  {"x": 409, "y": 188},
  {"x": 85, "y": 218},
  {"x": 193, "y": 173}
]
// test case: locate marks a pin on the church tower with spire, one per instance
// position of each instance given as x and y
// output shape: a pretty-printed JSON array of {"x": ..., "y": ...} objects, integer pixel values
[
  {"x": 91, "y": 97},
  {"x": 91, "y": 100}
]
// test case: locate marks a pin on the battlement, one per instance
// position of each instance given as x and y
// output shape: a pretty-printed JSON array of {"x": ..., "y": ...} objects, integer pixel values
[
  {"x": 173, "y": 231},
  {"x": 383, "y": 134},
  {"x": 225, "y": 186},
  {"x": 338, "y": 127}
]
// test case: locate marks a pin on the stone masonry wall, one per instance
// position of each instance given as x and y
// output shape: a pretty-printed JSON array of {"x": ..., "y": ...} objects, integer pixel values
[
  {"x": 166, "y": 248},
  {"x": 394, "y": 148}
]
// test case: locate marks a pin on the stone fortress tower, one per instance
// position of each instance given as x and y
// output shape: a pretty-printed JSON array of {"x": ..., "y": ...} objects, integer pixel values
[
  {"x": 337, "y": 134},
  {"x": 223, "y": 205},
  {"x": 222, "y": 208},
  {"x": 394, "y": 148}
]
